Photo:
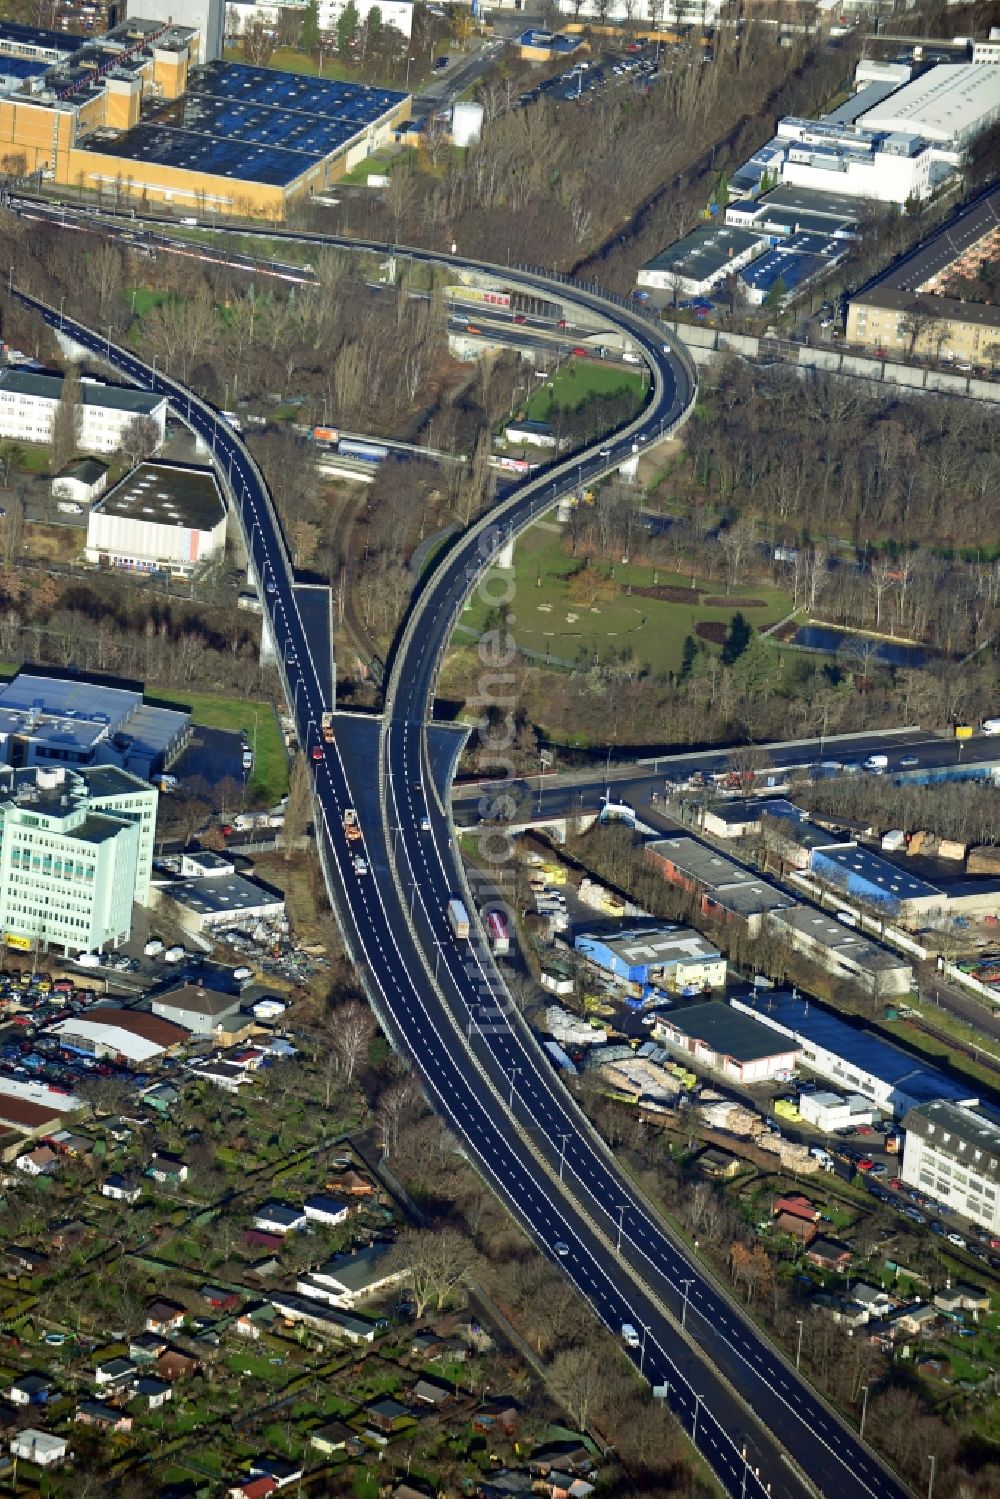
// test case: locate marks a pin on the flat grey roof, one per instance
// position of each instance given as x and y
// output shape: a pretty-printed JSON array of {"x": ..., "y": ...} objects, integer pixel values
[
  {"x": 846, "y": 943},
  {"x": 728, "y": 1032},
  {"x": 824, "y": 205},
  {"x": 700, "y": 861},
  {"x": 703, "y": 251},
  {"x": 219, "y": 894},
  {"x": 168, "y": 494}
]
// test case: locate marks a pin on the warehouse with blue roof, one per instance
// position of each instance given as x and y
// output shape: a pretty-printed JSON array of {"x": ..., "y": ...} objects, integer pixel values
[
  {"x": 868, "y": 877},
  {"x": 853, "y": 1058}
]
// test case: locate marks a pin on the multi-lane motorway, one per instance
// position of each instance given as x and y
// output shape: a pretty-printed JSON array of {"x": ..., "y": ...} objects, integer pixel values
[{"x": 759, "y": 1426}]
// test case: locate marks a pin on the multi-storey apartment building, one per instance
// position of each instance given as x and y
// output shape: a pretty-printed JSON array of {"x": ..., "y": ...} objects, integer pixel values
[{"x": 953, "y": 1155}]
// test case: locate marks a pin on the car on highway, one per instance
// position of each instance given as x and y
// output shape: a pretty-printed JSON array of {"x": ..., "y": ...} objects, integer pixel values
[
  {"x": 878, "y": 1169},
  {"x": 561, "y": 1248},
  {"x": 579, "y": 352},
  {"x": 425, "y": 824},
  {"x": 908, "y": 762},
  {"x": 270, "y": 586},
  {"x": 519, "y": 317},
  {"x": 316, "y": 753},
  {"x": 360, "y": 864}
]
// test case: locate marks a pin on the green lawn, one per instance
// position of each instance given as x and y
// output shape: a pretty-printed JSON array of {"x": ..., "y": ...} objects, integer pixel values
[
  {"x": 143, "y": 299},
  {"x": 381, "y": 161},
  {"x": 269, "y": 781},
  {"x": 577, "y": 379},
  {"x": 548, "y": 620},
  {"x": 291, "y": 60}
]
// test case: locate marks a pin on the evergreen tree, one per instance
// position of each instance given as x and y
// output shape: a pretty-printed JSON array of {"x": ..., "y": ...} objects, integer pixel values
[
  {"x": 310, "y": 26},
  {"x": 347, "y": 26}
]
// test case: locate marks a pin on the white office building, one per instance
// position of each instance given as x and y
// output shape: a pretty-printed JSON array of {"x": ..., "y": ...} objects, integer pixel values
[
  {"x": 882, "y": 166},
  {"x": 953, "y": 1155},
  {"x": 699, "y": 13},
  {"x": 76, "y": 849},
  {"x": 28, "y": 401},
  {"x": 163, "y": 517},
  {"x": 397, "y": 13}
]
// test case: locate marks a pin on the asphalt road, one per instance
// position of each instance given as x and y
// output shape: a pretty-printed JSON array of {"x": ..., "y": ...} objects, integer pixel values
[
  {"x": 445, "y": 1002},
  {"x": 573, "y": 792}
]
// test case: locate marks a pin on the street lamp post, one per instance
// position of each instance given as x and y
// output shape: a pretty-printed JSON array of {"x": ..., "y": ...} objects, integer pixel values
[
  {"x": 642, "y": 1350},
  {"x": 743, "y": 1485},
  {"x": 798, "y": 1350},
  {"x": 864, "y": 1411},
  {"x": 694, "y": 1429},
  {"x": 621, "y": 1226},
  {"x": 930, "y": 1482},
  {"x": 513, "y": 1074},
  {"x": 562, "y": 1154},
  {"x": 687, "y": 1284}
]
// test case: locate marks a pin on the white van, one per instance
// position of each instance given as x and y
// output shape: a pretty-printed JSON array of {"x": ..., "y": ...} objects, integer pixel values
[
  {"x": 876, "y": 763},
  {"x": 630, "y": 1336},
  {"x": 991, "y": 726}
]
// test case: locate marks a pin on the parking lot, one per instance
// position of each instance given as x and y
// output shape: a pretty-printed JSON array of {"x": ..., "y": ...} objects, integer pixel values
[{"x": 636, "y": 67}]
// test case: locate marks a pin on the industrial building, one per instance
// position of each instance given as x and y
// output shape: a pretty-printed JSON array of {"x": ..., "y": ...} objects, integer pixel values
[
  {"x": 741, "y": 817},
  {"x": 669, "y": 956},
  {"x": 843, "y": 951},
  {"x": 163, "y": 517},
  {"x": 782, "y": 272},
  {"x": 727, "y": 890},
  {"x": 76, "y": 850},
  {"x": 952, "y": 1154},
  {"x": 787, "y": 210},
  {"x": 83, "y": 724},
  {"x": 831, "y": 1112},
  {"x": 221, "y": 900},
  {"x": 853, "y": 1059},
  {"x": 950, "y": 105},
  {"x": 869, "y": 878},
  {"x": 134, "y": 1035},
  {"x": 149, "y": 114},
  {"x": 28, "y": 401},
  {"x": 699, "y": 261},
  {"x": 719, "y": 1037}
]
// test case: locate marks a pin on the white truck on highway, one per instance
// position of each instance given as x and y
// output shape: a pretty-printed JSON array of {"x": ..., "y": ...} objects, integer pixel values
[{"x": 458, "y": 918}]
